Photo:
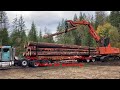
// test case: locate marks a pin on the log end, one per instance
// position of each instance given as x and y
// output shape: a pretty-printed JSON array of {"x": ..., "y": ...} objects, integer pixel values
[
  {"x": 25, "y": 46},
  {"x": 23, "y": 53}
]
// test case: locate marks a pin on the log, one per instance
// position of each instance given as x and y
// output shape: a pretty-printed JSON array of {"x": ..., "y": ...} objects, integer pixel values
[
  {"x": 26, "y": 53},
  {"x": 44, "y": 53},
  {"x": 53, "y": 45},
  {"x": 60, "y": 50},
  {"x": 25, "y": 46}
]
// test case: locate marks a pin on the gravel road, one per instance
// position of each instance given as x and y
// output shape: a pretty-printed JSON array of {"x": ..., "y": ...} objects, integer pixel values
[{"x": 96, "y": 70}]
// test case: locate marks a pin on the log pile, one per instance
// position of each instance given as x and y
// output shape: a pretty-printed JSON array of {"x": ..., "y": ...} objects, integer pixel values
[{"x": 42, "y": 49}]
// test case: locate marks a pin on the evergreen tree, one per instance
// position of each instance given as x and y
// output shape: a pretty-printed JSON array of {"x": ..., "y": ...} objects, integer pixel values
[
  {"x": 18, "y": 35},
  {"x": 100, "y": 18},
  {"x": 32, "y": 33},
  {"x": 82, "y": 30},
  {"x": 40, "y": 36},
  {"x": 90, "y": 41},
  {"x": 3, "y": 20},
  {"x": 50, "y": 39},
  {"x": 15, "y": 35},
  {"x": 75, "y": 17},
  {"x": 115, "y": 19},
  {"x": 4, "y": 37},
  {"x": 22, "y": 29},
  {"x": 63, "y": 37}
]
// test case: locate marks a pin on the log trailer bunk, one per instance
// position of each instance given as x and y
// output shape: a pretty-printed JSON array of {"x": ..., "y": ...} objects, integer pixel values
[{"x": 104, "y": 50}]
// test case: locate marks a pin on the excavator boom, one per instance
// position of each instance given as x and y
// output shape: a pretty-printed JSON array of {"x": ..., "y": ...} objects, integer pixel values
[
  {"x": 74, "y": 27},
  {"x": 91, "y": 29}
]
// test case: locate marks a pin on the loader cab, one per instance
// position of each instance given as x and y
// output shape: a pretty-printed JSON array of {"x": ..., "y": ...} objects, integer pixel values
[{"x": 104, "y": 42}]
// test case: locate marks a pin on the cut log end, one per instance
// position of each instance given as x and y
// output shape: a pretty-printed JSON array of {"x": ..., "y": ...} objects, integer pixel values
[{"x": 23, "y": 53}]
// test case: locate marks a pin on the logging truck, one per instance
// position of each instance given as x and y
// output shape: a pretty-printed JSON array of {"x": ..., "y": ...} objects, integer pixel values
[{"x": 44, "y": 54}]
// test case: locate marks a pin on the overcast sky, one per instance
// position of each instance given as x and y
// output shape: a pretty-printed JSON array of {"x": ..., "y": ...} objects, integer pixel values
[{"x": 42, "y": 19}]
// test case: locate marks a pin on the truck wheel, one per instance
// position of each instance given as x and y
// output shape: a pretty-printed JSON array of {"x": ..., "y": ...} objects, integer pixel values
[
  {"x": 18, "y": 63},
  {"x": 30, "y": 64},
  {"x": 88, "y": 60},
  {"x": 93, "y": 60},
  {"x": 35, "y": 64},
  {"x": 24, "y": 63},
  {"x": 116, "y": 58},
  {"x": 104, "y": 59}
]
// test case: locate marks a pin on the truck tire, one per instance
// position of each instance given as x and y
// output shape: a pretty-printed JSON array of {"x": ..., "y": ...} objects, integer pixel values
[
  {"x": 79, "y": 61},
  {"x": 15, "y": 63},
  {"x": 104, "y": 59},
  {"x": 30, "y": 64},
  {"x": 34, "y": 63},
  {"x": 51, "y": 61},
  {"x": 116, "y": 58},
  {"x": 97, "y": 58},
  {"x": 93, "y": 60},
  {"x": 24, "y": 63},
  {"x": 18, "y": 63},
  {"x": 87, "y": 60}
]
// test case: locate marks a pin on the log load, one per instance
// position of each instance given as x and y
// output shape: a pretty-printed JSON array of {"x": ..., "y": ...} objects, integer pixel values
[
  {"x": 60, "y": 49},
  {"x": 53, "y": 45},
  {"x": 45, "y": 53},
  {"x": 54, "y": 51}
]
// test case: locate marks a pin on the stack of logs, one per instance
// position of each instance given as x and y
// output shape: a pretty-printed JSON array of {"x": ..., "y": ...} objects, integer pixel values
[{"x": 42, "y": 49}]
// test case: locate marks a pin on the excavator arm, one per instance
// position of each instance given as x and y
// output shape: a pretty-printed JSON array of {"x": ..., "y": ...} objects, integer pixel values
[
  {"x": 83, "y": 22},
  {"x": 101, "y": 42}
]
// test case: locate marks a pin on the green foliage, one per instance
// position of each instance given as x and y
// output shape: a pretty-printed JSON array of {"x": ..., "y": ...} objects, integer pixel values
[
  {"x": 63, "y": 37},
  {"x": 22, "y": 29},
  {"x": 100, "y": 18},
  {"x": 75, "y": 17},
  {"x": 107, "y": 30},
  {"x": 32, "y": 33},
  {"x": 3, "y": 20},
  {"x": 40, "y": 38},
  {"x": 80, "y": 36},
  {"x": 18, "y": 36},
  {"x": 4, "y": 37},
  {"x": 115, "y": 19},
  {"x": 49, "y": 40}
]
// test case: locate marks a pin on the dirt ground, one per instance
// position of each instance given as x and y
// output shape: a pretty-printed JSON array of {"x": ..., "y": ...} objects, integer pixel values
[{"x": 96, "y": 70}]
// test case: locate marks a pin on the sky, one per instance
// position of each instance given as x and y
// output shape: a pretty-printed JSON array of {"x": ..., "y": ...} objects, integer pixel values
[{"x": 42, "y": 19}]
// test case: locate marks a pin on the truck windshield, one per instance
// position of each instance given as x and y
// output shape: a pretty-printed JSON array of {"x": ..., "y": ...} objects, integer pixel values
[{"x": 5, "y": 49}]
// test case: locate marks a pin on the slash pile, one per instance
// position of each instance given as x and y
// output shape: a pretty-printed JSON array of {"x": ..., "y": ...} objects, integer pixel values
[{"x": 43, "y": 49}]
